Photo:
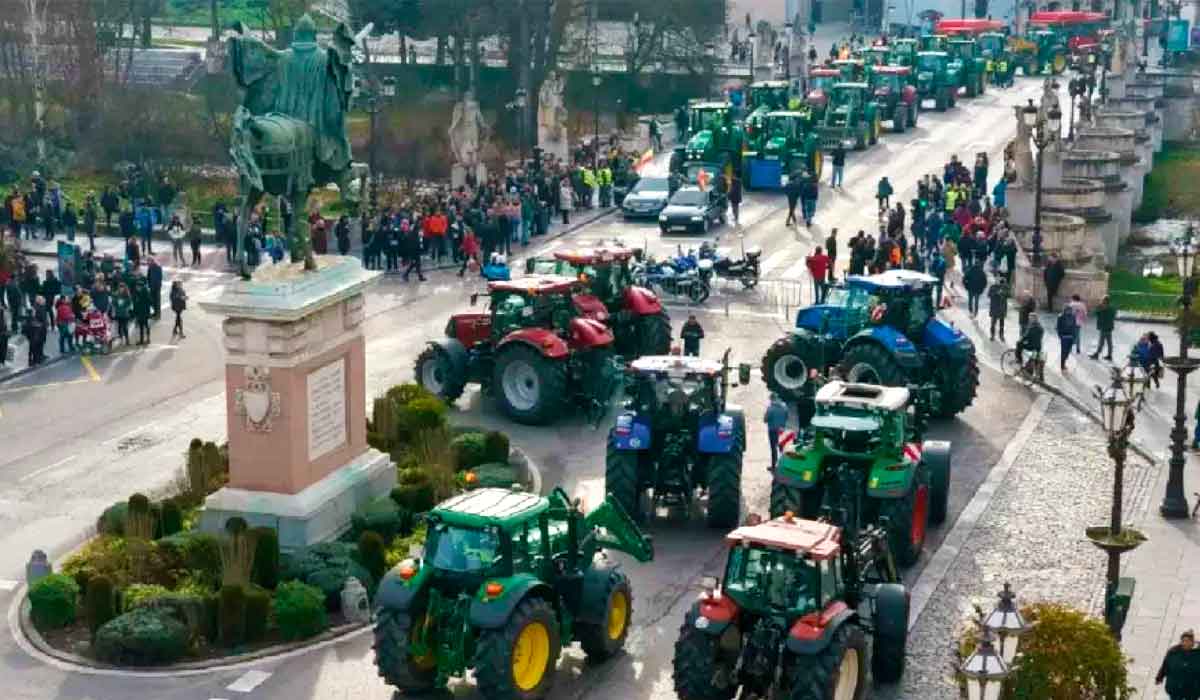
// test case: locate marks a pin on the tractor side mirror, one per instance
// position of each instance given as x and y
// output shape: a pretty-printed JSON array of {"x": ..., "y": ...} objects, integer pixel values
[{"x": 474, "y": 298}]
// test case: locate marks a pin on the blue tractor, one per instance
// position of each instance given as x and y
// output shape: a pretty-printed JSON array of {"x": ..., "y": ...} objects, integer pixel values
[
  {"x": 878, "y": 329},
  {"x": 677, "y": 437}
]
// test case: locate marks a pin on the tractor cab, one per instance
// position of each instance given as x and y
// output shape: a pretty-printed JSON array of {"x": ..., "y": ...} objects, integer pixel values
[
  {"x": 540, "y": 301},
  {"x": 850, "y": 69},
  {"x": 772, "y": 94},
  {"x": 820, "y": 84},
  {"x": 963, "y": 49},
  {"x": 890, "y": 80},
  {"x": 708, "y": 116},
  {"x": 1078, "y": 30},
  {"x": 902, "y": 299},
  {"x": 993, "y": 45},
  {"x": 780, "y": 566},
  {"x": 858, "y": 418},
  {"x": 876, "y": 56},
  {"x": 904, "y": 52},
  {"x": 783, "y": 129},
  {"x": 847, "y": 98},
  {"x": 934, "y": 42},
  {"x": 932, "y": 61},
  {"x": 675, "y": 385}
]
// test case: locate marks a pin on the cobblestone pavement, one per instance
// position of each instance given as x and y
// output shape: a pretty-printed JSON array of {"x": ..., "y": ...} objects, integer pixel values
[{"x": 1031, "y": 535}]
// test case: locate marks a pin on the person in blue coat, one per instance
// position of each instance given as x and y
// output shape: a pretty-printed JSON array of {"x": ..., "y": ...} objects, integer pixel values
[{"x": 1000, "y": 194}]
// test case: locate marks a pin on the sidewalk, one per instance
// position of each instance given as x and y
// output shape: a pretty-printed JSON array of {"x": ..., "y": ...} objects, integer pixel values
[{"x": 19, "y": 348}]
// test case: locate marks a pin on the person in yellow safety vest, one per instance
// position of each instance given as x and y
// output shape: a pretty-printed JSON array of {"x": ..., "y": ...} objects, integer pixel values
[
  {"x": 606, "y": 183},
  {"x": 987, "y": 71},
  {"x": 951, "y": 198},
  {"x": 589, "y": 184},
  {"x": 1002, "y": 73}
]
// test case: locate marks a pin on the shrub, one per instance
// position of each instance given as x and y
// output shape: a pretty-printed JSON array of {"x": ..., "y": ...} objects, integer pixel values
[
  {"x": 124, "y": 562},
  {"x": 383, "y": 515},
  {"x": 299, "y": 610},
  {"x": 496, "y": 447},
  {"x": 398, "y": 550},
  {"x": 140, "y": 520},
  {"x": 112, "y": 520},
  {"x": 232, "y": 615},
  {"x": 371, "y": 554},
  {"x": 199, "y": 553},
  {"x": 419, "y": 415},
  {"x": 415, "y": 493},
  {"x": 172, "y": 518},
  {"x": 496, "y": 474},
  {"x": 470, "y": 450},
  {"x": 54, "y": 600},
  {"x": 237, "y": 553},
  {"x": 138, "y": 593},
  {"x": 408, "y": 392},
  {"x": 100, "y": 603},
  {"x": 142, "y": 637},
  {"x": 327, "y": 566},
  {"x": 187, "y": 608},
  {"x": 265, "y": 570},
  {"x": 212, "y": 618},
  {"x": 258, "y": 612}
]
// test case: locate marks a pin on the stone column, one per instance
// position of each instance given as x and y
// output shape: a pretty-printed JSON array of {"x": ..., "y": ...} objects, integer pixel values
[
  {"x": 295, "y": 385},
  {"x": 1068, "y": 237},
  {"x": 1146, "y": 105},
  {"x": 1085, "y": 199},
  {"x": 1131, "y": 121},
  {"x": 1123, "y": 142},
  {"x": 1104, "y": 167}
]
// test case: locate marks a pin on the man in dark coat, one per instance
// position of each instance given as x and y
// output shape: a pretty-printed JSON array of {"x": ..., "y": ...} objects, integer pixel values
[
  {"x": 154, "y": 279},
  {"x": 975, "y": 281},
  {"x": 998, "y": 307},
  {"x": 1053, "y": 276},
  {"x": 142, "y": 308},
  {"x": 831, "y": 251},
  {"x": 1106, "y": 317},
  {"x": 735, "y": 197},
  {"x": 691, "y": 333},
  {"x": 1181, "y": 669}
]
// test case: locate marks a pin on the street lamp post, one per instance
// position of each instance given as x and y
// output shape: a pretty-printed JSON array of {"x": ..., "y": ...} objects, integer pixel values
[
  {"x": 986, "y": 669},
  {"x": 787, "y": 57},
  {"x": 1044, "y": 131},
  {"x": 1174, "y": 503},
  {"x": 517, "y": 106},
  {"x": 751, "y": 39},
  {"x": 596, "y": 80}
]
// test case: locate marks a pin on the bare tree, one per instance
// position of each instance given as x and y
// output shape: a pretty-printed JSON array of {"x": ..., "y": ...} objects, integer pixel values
[{"x": 36, "y": 24}]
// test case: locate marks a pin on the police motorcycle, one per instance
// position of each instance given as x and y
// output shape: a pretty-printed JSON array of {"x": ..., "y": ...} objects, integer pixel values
[{"x": 746, "y": 269}]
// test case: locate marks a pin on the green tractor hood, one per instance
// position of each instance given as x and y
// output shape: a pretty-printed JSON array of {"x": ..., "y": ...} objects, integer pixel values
[
  {"x": 701, "y": 142},
  {"x": 776, "y": 145}
]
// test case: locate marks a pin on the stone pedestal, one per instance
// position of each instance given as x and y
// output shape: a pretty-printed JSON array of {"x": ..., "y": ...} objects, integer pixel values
[
  {"x": 1145, "y": 88},
  {"x": 1085, "y": 199},
  {"x": 458, "y": 174},
  {"x": 1124, "y": 143},
  {"x": 1115, "y": 84},
  {"x": 1081, "y": 252},
  {"x": 1104, "y": 167},
  {"x": 295, "y": 385},
  {"x": 1146, "y": 105}
]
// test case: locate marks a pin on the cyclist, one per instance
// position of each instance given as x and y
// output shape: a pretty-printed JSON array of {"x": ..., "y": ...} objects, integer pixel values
[{"x": 1031, "y": 339}]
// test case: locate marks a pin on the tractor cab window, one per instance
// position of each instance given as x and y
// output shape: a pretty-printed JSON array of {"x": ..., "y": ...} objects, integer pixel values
[
  {"x": 831, "y": 580},
  {"x": 778, "y": 577},
  {"x": 920, "y": 310},
  {"x": 463, "y": 550},
  {"x": 510, "y": 312},
  {"x": 928, "y": 62}
]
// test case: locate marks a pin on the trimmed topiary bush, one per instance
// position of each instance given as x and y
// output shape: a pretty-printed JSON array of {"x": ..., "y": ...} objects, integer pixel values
[
  {"x": 327, "y": 566},
  {"x": 415, "y": 492},
  {"x": 470, "y": 450},
  {"x": 382, "y": 515},
  {"x": 139, "y": 520},
  {"x": 265, "y": 571},
  {"x": 200, "y": 553},
  {"x": 258, "y": 612},
  {"x": 142, "y": 637},
  {"x": 426, "y": 413},
  {"x": 403, "y": 394},
  {"x": 138, "y": 593},
  {"x": 372, "y": 554},
  {"x": 237, "y": 552},
  {"x": 112, "y": 520},
  {"x": 172, "y": 518},
  {"x": 299, "y": 610},
  {"x": 232, "y": 615},
  {"x": 54, "y": 601},
  {"x": 188, "y": 608},
  {"x": 100, "y": 603},
  {"x": 496, "y": 447},
  {"x": 496, "y": 475}
]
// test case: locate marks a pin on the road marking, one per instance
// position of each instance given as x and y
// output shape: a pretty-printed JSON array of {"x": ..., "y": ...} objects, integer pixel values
[
  {"x": 43, "y": 470},
  {"x": 139, "y": 429},
  {"x": 248, "y": 682},
  {"x": 91, "y": 369},
  {"x": 8, "y": 585}
]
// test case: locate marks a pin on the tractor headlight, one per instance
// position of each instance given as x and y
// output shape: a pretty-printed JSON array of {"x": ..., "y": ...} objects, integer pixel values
[{"x": 697, "y": 218}]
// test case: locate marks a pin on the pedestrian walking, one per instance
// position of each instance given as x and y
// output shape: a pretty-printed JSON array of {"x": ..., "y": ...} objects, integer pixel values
[
  {"x": 64, "y": 318},
  {"x": 341, "y": 232},
  {"x": 655, "y": 135},
  {"x": 883, "y": 194},
  {"x": 1081, "y": 311},
  {"x": 735, "y": 198},
  {"x": 154, "y": 283},
  {"x": 122, "y": 303},
  {"x": 818, "y": 268},
  {"x": 35, "y": 332},
  {"x": 997, "y": 307},
  {"x": 937, "y": 268},
  {"x": 691, "y": 334},
  {"x": 90, "y": 214},
  {"x": 808, "y": 199},
  {"x": 410, "y": 246},
  {"x": 1106, "y": 317},
  {"x": 142, "y": 309},
  {"x": 565, "y": 200},
  {"x": 792, "y": 190},
  {"x": 1053, "y": 276},
  {"x": 470, "y": 251},
  {"x": 831, "y": 247},
  {"x": 975, "y": 281},
  {"x": 178, "y": 306},
  {"x": 839, "y": 166},
  {"x": 775, "y": 419},
  {"x": 1180, "y": 669},
  {"x": 194, "y": 238},
  {"x": 176, "y": 233},
  {"x": 1066, "y": 336}
]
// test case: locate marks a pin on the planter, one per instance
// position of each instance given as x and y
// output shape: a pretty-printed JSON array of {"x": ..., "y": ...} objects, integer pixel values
[{"x": 1127, "y": 541}]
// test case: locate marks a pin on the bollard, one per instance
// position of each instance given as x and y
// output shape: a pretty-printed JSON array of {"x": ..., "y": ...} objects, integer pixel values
[
  {"x": 355, "y": 605},
  {"x": 38, "y": 568}
]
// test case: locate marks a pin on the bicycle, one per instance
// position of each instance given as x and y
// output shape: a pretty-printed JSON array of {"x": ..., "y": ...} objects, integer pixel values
[{"x": 1033, "y": 370}]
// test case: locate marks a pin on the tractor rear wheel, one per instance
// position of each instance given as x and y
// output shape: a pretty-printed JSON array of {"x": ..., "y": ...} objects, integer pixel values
[
  {"x": 654, "y": 334},
  {"x": 786, "y": 364},
  {"x": 957, "y": 383},
  {"x": 397, "y": 667},
  {"x": 899, "y": 118},
  {"x": 868, "y": 363},
  {"x": 839, "y": 672},
  {"x": 890, "y": 643},
  {"x": 908, "y": 520},
  {"x": 622, "y": 479},
  {"x": 875, "y": 128},
  {"x": 936, "y": 456},
  {"x": 529, "y": 386},
  {"x": 698, "y": 669},
  {"x": 941, "y": 100},
  {"x": 435, "y": 372},
  {"x": 913, "y": 111},
  {"x": 517, "y": 660},
  {"x": 724, "y": 490},
  {"x": 804, "y": 503},
  {"x": 601, "y": 641}
]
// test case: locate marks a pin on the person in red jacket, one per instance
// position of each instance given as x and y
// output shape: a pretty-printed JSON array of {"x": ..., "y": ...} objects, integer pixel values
[
  {"x": 64, "y": 316},
  {"x": 818, "y": 267},
  {"x": 434, "y": 231},
  {"x": 470, "y": 250}
]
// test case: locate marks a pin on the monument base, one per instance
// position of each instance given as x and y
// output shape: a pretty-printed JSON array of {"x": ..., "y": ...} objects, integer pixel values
[
  {"x": 458, "y": 174},
  {"x": 319, "y": 513}
]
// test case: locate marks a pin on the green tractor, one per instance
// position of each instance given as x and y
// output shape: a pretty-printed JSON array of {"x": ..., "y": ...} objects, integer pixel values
[
  {"x": 972, "y": 66},
  {"x": 873, "y": 56},
  {"x": 901, "y": 483},
  {"x": 713, "y": 137},
  {"x": 505, "y": 580},
  {"x": 937, "y": 80},
  {"x": 851, "y": 70},
  {"x": 852, "y": 118},
  {"x": 793, "y": 614},
  {"x": 676, "y": 437},
  {"x": 1040, "y": 51},
  {"x": 897, "y": 96},
  {"x": 820, "y": 87},
  {"x": 784, "y": 144},
  {"x": 766, "y": 96},
  {"x": 933, "y": 42},
  {"x": 904, "y": 52}
]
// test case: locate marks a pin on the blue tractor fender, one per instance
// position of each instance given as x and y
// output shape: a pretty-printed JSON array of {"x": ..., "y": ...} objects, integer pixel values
[
  {"x": 947, "y": 341},
  {"x": 821, "y": 319},
  {"x": 892, "y": 340},
  {"x": 718, "y": 434},
  {"x": 630, "y": 433}
]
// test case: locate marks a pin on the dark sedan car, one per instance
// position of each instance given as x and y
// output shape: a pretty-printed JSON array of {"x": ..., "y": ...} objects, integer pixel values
[
  {"x": 693, "y": 210},
  {"x": 647, "y": 199}
]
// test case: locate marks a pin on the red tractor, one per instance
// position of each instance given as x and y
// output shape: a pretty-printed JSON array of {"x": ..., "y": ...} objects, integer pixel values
[
  {"x": 635, "y": 314},
  {"x": 533, "y": 349}
]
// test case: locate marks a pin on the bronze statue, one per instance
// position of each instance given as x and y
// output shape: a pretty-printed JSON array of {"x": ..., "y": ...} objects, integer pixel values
[{"x": 289, "y": 134}]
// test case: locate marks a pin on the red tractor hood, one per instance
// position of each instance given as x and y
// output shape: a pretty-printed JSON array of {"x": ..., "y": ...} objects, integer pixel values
[
  {"x": 589, "y": 305},
  {"x": 590, "y": 333},
  {"x": 642, "y": 301},
  {"x": 816, "y": 98}
]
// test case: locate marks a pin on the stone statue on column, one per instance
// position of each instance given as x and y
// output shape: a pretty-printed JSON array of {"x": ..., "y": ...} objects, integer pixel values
[
  {"x": 552, "y": 117},
  {"x": 1022, "y": 152},
  {"x": 468, "y": 130}
]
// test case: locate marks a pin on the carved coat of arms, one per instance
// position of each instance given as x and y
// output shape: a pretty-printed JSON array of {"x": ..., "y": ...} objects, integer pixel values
[{"x": 257, "y": 403}]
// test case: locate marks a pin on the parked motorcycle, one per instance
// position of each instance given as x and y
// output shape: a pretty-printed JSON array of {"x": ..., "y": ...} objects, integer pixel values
[
  {"x": 665, "y": 277},
  {"x": 745, "y": 270}
]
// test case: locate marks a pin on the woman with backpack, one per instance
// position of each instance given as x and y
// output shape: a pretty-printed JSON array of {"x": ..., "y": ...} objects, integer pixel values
[{"x": 178, "y": 305}]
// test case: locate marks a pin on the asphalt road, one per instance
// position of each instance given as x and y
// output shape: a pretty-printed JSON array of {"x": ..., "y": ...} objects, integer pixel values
[{"x": 76, "y": 440}]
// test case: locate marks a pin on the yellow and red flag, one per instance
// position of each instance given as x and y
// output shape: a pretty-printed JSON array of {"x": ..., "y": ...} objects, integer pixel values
[
  {"x": 702, "y": 179},
  {"x": 643, "y": 160}
]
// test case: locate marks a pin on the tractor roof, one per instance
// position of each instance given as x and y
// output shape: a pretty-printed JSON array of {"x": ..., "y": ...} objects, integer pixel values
[
  {"x": 535, "y": 284},
  {"x": 969, "y": 26},
  {"x": 770, "y": 84},
  {"x": 893, "y": 70},
  {"x": 932, "y": 53},
  {"x": 1067, "y": 17},
  {"x": 848, "y": 62},
  {"x": 788, "y": 113},
  {"x": 892, "y": 279},
  {"x": 816, "y": 539},
  {"x": 852, "y": 86},
  {"x": 887, "y": 398},
  {"x": 591, "y": 256},
  {"x": 503, "y": 508},
  {"x": 676, "y": 365},
  {"x": 710, "y": 105},
  {"x": 824, "y": 72}
]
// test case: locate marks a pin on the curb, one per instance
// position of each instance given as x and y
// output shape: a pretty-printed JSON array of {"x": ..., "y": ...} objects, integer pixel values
[
  {"x": 26, "y": 370},
  {"x": 1145, "y": 318}
]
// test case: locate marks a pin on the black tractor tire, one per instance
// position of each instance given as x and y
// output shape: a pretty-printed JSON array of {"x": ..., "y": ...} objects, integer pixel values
[
  {"x": 876, "y": 128},
  {"x": 393, "y": 630},
  {"x": 435, "y": 372},
  {"x": 601, "y": 641},
  {"x": 913, "y": 111},
  {"x": 908, "y": 520},
  {"x": 970, "y": 88},
  {"x": 696, "y": 666},
  {"x": 889, "y": 645},
  {"x": 699, "y": 291},
  {"x": 551, "y": 385},
  {"x": 936, "y": 455},
  {"x": 654, "y": 334},
  {"x": 815, "y": 676},
  {"x": 494, "y": 654},
  {"x": 861, "y": 138},
  {"x": 622, "y": 478},
  {"x": 868, "y": 363},
  {"x": 799, "y": 352},
  {"x": 899, "y": 118},
  {"x": 803, "y": 503},
  {"x": 724, "y": 490},
  {"x": 953, "y": 97},
  {"x": 958, "y": 382},
  {"x": 942, "y": 100}
]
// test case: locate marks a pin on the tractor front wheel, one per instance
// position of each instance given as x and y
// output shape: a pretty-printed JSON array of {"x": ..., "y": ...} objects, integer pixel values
[
  {"x": 913, "y": 111},
  {"x": 623, "y": 480},
  {"x": 530, "y": 386},
  {"x": 941, "y": 101},
  {"x": 908, "y": 520},
  {"x": 698, "y": 669},
  {"x": 957, "y": 383},
  {"x": 839, "y": 671},
  {"x": 397, "y": 667},
  {"x": 786, "y": 364},
  {"x": 436, "y": 374},
  {"x": 899, "y": 118},
  {"x": 602, "y": 641},
  {"x": 936, "y": 456},
  {"x": 805, "y": 503},
  {"x": 890, "y": 643},
  {"x": 868, "y": 363},
  {"x": 517, "y": 661},
  {"x": 654, "y": 334},
  {"x": 724, "y": 490}
]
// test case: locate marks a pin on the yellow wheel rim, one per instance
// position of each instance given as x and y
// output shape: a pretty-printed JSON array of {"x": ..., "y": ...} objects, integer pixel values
[
  {"x": 847, "y": 682},
  {"x": 531, "y": 654},
  {"x": 618, "y": 615},
  {"x": 1060, "y": 63},
  {"x": 820, "y": 164}
]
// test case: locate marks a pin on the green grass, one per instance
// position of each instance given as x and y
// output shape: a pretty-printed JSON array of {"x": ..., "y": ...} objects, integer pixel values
[
  {"x": 180, "y": 14},
  {"x": 1150, "y": 295},
  {"x": 1170, "y": 189}
]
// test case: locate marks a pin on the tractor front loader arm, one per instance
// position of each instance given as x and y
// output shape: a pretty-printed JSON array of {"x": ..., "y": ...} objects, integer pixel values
[{"x": 612, "y": 527}]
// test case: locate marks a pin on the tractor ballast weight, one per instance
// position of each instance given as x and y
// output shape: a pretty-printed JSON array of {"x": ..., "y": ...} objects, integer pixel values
[
  {"x": 880, "y": 329},
  {"x": 505, "y": 580},
  {"x": 792, "y": 616},
  {"x": 677, "y": 435},
  {"x": 784, "y": 144},
  {"x": 894, "y": 479},
  {"x": 852, "y": 118},
  {"x": 896, "y": 93}
]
